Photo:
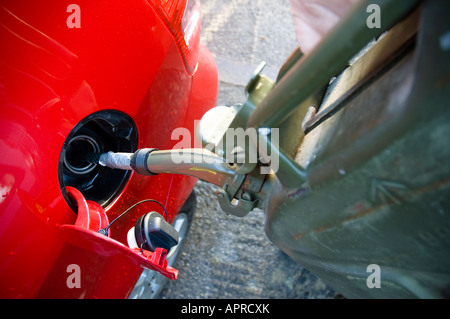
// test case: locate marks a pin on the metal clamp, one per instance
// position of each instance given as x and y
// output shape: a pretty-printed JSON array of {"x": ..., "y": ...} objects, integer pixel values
[
  {"x": 238, "y": 206},
  {"x": 241, "y": 209}
]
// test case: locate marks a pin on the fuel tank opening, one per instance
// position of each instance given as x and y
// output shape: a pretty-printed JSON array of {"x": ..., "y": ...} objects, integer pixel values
[
  {"x": 78, "y": 167},
  {"x": 79, "y": 153}
]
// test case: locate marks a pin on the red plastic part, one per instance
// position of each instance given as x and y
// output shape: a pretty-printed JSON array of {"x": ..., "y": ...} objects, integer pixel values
[
  {"x": 51, "y": 77},
  {"x": 84, "y": 234},
  {"x": 90, "y": 215}
]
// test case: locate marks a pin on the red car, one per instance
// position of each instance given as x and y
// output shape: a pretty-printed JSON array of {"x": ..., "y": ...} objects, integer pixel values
[{"x": 92, "y": 76}]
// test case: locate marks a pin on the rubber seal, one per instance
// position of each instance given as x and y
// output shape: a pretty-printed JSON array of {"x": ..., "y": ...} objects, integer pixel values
[{"x": 139, "y": 161}]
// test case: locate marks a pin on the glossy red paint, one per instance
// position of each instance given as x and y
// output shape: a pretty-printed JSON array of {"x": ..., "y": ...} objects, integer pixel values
[{"x": 51, "y": 77}]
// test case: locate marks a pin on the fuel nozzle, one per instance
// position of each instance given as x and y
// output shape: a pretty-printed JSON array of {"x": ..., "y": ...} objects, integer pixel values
[
  {"x": 116, "y": 160},
  {"x": 196, "y": 162}
]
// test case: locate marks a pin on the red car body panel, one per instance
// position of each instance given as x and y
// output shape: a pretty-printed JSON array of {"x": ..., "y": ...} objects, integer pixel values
[{"x": 125, "y": 58}]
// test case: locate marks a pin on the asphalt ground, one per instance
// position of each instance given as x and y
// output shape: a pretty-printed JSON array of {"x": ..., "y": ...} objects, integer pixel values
[{"x": 226, "y": 256}]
